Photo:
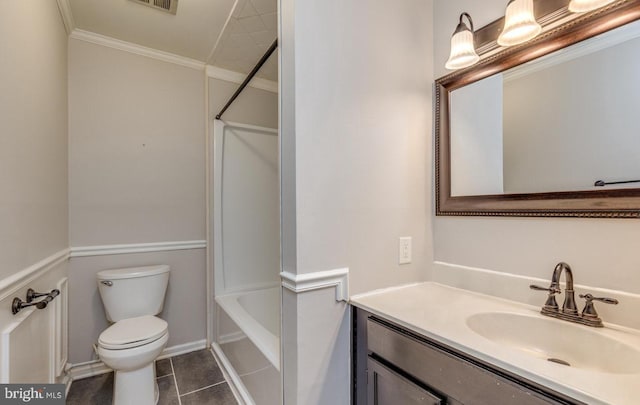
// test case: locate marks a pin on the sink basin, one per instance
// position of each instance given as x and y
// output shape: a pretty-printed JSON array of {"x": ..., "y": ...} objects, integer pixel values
[{"x": 561, "y": 342}]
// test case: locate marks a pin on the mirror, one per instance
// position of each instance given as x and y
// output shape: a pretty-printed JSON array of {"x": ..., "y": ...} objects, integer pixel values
[{"x": 550, "y": 128}]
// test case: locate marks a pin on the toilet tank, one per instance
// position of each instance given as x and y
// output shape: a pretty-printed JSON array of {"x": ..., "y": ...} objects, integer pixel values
[{"x": 135, "y": 291}]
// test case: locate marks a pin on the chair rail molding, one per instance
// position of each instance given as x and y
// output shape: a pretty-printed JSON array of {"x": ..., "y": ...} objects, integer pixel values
[
  {"x": 299, "y": 283},
  {"x": 13, "y": 283},
  {"x": 104, "y": 250}
]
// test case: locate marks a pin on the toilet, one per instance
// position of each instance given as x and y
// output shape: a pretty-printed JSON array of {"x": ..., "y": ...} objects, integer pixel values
[{"x": 131, "y": 298}]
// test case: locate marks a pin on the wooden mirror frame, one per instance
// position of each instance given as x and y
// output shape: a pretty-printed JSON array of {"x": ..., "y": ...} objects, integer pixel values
[{"x": 616, "y": 203}]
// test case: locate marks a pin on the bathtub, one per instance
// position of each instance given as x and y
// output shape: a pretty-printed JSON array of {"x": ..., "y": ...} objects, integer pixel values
[{"x": 257, "y": 316}]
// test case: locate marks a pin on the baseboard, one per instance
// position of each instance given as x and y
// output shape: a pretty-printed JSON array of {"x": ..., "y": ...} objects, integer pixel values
[
  {"x": 87, "y": 369},
  {"x": 183, "y": 349},
  {"x": 96, "y": 367},
  {"x": 66, "y": 380},
  {"x": 235, "y": 383}
]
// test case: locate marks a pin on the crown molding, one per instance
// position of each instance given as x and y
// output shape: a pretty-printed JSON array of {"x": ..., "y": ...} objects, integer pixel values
[
  {"x": 236, "y": 77},
  {"x": 103, "y": 40},
  {"x": 67, "y": 16}
]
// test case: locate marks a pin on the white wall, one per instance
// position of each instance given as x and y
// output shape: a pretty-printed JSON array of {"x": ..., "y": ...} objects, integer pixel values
[
  {"x": 33, "y": 183},
  {"x": 33, "y": 135},
  {"x": 363, "y": 119},
  {"x": 601, "y": 252},
  {"x": 137, "y": 175},
  {"x": 476, "y": 138},
  {"x": 356, "y": 161}
]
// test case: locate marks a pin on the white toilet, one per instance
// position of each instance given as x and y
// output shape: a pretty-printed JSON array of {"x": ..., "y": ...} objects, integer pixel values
[{"x": 132, "y": 297}]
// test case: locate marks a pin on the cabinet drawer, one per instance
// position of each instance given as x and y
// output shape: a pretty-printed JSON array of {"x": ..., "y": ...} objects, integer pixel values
[
  {"x": 385, "y": 387},
  {"x": 447, "y": 372}
]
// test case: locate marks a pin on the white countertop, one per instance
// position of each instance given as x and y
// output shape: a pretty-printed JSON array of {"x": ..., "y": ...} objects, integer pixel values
[{"x": 440, "y": 312}]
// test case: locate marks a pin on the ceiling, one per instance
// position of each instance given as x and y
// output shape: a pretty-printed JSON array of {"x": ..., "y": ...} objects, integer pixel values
[{"x": 231, "y": 34}]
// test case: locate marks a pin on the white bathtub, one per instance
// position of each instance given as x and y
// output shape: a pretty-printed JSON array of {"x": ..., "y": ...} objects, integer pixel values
[{"x": 257, "y": 315}]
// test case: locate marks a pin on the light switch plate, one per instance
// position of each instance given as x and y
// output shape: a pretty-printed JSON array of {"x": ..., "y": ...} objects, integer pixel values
[{"x": 404, "y": 250}]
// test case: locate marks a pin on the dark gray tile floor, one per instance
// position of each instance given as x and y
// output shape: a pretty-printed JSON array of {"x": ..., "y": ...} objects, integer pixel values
[{"x": 189, "y": 379}]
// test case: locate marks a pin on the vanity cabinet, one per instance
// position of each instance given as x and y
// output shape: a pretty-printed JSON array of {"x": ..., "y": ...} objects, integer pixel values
[
  {"x": 395, "y": 366},
  {"x": 388, "y": 387}
]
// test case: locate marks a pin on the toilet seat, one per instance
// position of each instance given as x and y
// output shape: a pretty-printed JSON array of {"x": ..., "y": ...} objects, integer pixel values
[{"x": 133, "y": 332}]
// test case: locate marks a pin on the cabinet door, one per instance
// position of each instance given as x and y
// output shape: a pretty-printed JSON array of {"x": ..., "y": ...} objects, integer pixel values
[{"x": 385, "y": 387}]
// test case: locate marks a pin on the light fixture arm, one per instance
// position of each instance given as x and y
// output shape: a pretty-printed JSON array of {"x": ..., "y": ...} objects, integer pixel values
[
  {"x": 463, "y": 50},
  {"x": 462, "y": 26}
]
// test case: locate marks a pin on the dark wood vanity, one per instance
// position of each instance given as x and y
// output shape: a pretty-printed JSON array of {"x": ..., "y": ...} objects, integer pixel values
[{"x": 395, "y": 366}]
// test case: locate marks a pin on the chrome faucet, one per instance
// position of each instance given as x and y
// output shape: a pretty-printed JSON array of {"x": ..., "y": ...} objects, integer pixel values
[{"x": 569, "y": 311}]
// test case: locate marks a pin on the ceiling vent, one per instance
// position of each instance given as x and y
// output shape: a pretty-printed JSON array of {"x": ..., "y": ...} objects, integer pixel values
[{"x": 170, "y": 6}]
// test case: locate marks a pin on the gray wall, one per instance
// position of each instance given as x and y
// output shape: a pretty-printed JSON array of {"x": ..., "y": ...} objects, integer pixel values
[
  {"x": 356, "y": 169},
  {"x": 33, "y": 134},
  {"x": 137, "y": 175},
  {"x": 136, "y": 153},
  {"x": 184, "y": 306},
  {"x": 601, "y": 252}
]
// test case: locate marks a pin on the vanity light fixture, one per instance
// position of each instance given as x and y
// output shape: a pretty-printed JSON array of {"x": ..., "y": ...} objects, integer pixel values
[
  {"x": 463, "y": 50},
  {"x": 520, "y": 23},
  {"x": 583, "y": 6}
]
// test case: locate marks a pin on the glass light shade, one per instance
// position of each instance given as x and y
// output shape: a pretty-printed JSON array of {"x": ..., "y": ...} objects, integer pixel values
[
  {"x": 520, "y": 24},
  {"x": 583, "y": 6},
  {"x": 463, "y": 51}
]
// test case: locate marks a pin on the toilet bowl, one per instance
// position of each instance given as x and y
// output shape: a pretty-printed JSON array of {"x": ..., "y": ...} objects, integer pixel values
[
  {"x": 137, "y": 337},
  {"x": 130, "y": 347}
]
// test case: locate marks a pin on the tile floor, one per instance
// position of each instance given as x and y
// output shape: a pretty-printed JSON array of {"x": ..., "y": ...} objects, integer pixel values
[{"x": 190, "y": 379}]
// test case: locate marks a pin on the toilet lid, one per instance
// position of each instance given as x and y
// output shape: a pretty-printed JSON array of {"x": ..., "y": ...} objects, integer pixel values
[{"x": 133, "y": 332}]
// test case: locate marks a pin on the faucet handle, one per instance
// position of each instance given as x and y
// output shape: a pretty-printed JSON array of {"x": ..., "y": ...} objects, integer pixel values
[
  {"x": 551, "y": 290},
  {"x": 551, "y": 303},
  {"x": 589, "y": 310},
  {"x": 590, "y": 297}
]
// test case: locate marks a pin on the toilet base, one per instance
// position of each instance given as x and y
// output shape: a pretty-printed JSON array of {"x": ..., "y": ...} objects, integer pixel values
[{"x": 137, "y": 387}]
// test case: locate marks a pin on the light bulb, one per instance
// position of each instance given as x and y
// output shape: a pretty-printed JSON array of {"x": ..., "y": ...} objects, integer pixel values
[
  {"x": 463, "y": 51},
  {"x": 520, "y": 23}
]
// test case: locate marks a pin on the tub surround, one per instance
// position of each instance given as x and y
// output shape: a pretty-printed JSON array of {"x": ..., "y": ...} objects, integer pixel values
[
  {"x": 250, "y": 312},
  {"x": 440, "y": 312}
]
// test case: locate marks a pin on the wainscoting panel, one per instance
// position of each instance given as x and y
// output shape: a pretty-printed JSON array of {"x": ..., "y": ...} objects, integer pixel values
[
  {"x": 61, "y": 322},
  {"x": 26, "y": 348}
]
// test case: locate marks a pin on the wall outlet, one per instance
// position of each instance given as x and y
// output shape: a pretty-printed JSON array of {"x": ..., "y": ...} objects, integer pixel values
[{"x": 404, "y": 250}]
